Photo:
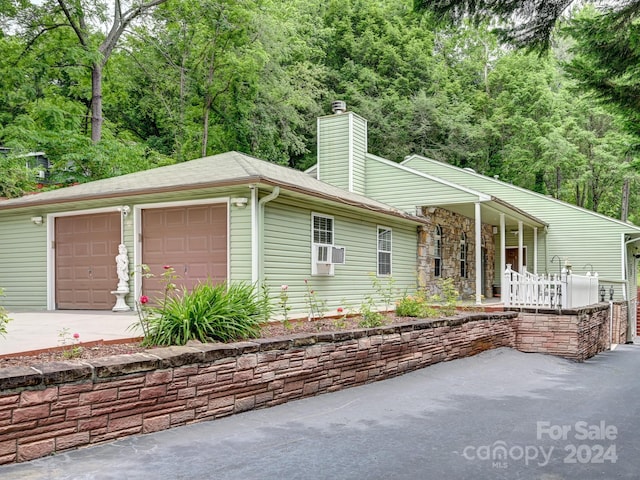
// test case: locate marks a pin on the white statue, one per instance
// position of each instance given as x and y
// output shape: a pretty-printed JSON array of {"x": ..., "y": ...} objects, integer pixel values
[{"x": 122, "y": 267}]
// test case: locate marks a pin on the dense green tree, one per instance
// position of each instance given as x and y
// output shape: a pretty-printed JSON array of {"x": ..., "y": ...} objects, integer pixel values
[
  {"x": 605, "y": 61},
  {"x": 207, "y": 77},
  {"x": 93, "y": 46},
  {"x": 16, "y": 177},
  {"x": 525, "y": 23},
  {"x": 202, "y": 77},
  {"x": 44, "y": 107}
]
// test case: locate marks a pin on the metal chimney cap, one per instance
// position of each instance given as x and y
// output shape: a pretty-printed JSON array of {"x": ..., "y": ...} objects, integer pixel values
[{"x": 338, "y": 106}]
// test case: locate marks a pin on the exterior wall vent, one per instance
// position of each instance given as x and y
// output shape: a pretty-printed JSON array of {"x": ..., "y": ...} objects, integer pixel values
[{"x": 338, "y": 107}]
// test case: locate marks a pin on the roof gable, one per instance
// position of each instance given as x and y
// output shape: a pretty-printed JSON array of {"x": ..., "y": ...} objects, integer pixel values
[
  {"x": 527, "y": 200},
  {"x": 226, "y": 169}
]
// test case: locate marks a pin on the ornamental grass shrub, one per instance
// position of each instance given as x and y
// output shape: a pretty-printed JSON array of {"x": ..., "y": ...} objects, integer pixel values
[{"x": 208, "y": 313}]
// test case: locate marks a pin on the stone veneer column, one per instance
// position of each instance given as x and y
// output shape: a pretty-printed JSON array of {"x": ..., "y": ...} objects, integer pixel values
[{"x": 453, "y": 225}]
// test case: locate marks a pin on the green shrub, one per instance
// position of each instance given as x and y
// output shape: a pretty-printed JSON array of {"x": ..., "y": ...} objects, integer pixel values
[
  {"x": 423, "y": 305},
  {"x": 448, "y": 297},
  {"x": 208, "y": 313},
  {"x": 370, "y": 317},
  {"x": 412, "y": 306}
]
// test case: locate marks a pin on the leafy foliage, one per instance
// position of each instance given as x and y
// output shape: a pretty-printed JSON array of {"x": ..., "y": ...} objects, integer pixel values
[
  {"x": 207, "y": 313},
  {"x": 605, "y": 60},
  {"x": 424, "y": 305},
  {"x": 16, "y": 178},
  {"x": 203, "y": 77},
  {"x": 526, "y": 23},
  {"x": 370, "y": 317},
  {"x": 4, "y": 318}
]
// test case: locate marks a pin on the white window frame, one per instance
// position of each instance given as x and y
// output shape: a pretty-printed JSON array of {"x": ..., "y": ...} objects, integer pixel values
[
  {"x": 464, "y": 265},
  {"x": 316, "y": 267},
  {"x": 437, "y": 251},
  {"x": 379, "y": 251}
]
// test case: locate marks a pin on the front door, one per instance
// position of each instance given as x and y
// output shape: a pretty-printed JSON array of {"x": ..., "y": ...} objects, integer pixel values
[{"x": 512, "y": 258}]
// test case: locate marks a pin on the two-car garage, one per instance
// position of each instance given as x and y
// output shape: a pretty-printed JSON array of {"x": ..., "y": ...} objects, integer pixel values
[{"x": 192, "y": 239}]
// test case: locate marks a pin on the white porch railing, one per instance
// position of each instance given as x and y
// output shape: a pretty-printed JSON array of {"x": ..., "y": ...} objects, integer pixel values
[{"x": 563, "y": 290}]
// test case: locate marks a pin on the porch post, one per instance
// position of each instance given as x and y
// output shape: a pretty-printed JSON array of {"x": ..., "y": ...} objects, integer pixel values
[
  {"x": 520, "y": 247},
  {"x": 535, "y": 250},
  {"x": 479, "y": 272},
  {"x": 503, "y": 254}
]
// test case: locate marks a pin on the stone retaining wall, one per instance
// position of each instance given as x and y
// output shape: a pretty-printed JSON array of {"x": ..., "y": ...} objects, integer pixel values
[
  {"x": 575, "y": 334},
  {"x": 58, "y": 406}
]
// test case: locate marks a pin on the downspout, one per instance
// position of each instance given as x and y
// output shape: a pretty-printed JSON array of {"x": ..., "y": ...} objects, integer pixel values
[
  {"x": 261, "y": 203},
  {"x": 254, "y": 235}
]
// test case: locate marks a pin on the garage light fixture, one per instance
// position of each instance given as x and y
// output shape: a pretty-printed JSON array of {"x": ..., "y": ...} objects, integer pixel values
[
  {"x": 240, "y": 201},
  {"x": 37, "y": 220}
]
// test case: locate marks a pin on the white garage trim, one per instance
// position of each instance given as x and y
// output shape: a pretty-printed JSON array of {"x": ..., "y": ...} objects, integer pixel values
[{"x": 51, "y": 254}]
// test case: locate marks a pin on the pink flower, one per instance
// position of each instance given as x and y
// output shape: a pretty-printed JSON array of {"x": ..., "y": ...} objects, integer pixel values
[
  {"x": 284, "y": 287},
  {"x": 167, "y": 267},
  {"x": 76, "y": 336},
  {"x": 306, "y": 281},
  {"x": 144, "y": 299},
  {"x": 340, "y": 310},
  {"x": 311, "y": 292}
]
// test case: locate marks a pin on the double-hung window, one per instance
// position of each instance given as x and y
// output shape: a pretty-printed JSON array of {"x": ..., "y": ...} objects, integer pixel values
[
  {"x": 463, "y": 256},
  {"x": 322, "y": 243},
  {"x": 322, "y": 230},
  {"x": 437, "y": 252},
  {"x": 384, "y": 251}
]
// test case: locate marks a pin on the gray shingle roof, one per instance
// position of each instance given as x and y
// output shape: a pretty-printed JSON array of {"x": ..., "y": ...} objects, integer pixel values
[{"x": 231, "y": 168}]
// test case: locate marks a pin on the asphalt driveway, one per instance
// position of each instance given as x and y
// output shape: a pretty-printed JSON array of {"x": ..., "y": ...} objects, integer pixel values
[{"x": 499, "y": 415}]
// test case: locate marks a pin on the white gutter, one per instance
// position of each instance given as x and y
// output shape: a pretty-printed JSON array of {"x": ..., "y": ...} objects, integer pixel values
[{"x": 272, "y": 196}]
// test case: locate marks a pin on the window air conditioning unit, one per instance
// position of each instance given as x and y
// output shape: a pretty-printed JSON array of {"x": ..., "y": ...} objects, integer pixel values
[
  {"x": 329, "y": 255},
  {"x": 338, "y": 256}
]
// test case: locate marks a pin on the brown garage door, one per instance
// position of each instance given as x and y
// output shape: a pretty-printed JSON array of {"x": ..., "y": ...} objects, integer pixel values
[
  {"x": 85, "y": 251},
  {"x": 193, "y": 240}
]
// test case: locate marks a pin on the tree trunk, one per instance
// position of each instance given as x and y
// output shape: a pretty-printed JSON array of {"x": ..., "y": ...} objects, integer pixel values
[
  {"x": 96, "y": 102},
  {"x": 624, "y": 211},
  {"x": 205, "y": 129},
  {"x": 208, "y": 100}
]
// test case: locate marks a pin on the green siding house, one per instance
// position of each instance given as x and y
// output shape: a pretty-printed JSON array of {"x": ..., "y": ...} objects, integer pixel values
[
  {"x": 475, "y": 226},
  {"x": 349, "y": 220},
  {"x": 228, "y": 217}
]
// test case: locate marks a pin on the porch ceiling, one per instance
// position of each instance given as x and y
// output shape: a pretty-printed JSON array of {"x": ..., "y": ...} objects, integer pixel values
[{"x": 491, "y": 210}]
